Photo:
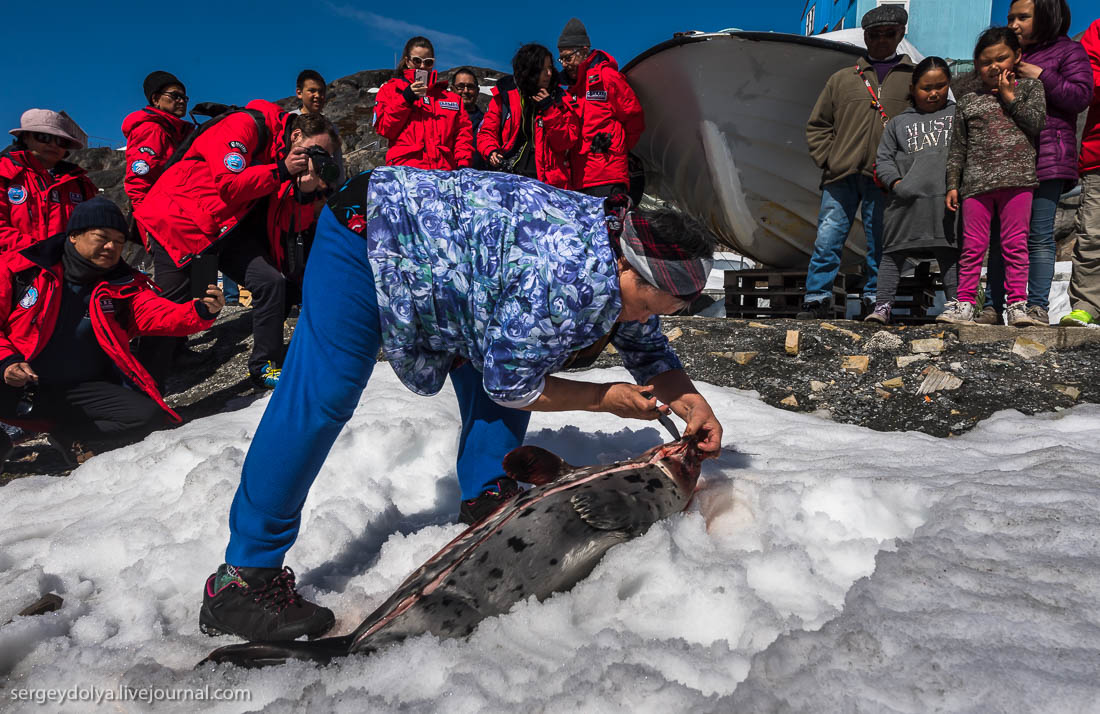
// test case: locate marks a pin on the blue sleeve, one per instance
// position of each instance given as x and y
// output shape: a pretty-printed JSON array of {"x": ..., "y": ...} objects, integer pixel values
[{"x": 645, "y": 350}]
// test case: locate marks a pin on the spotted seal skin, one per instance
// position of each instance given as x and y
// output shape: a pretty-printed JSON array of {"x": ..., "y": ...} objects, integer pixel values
[{"x": 542, "y": 541}]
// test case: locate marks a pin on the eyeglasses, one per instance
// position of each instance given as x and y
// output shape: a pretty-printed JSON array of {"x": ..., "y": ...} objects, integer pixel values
[
  {"x": 465, "y": 85},
  {"x": 567, "y": 55},
  {"x": 52, "y": 139},
  {"x": 425, "y": 62},
  {"x": 175, "y": 96}
]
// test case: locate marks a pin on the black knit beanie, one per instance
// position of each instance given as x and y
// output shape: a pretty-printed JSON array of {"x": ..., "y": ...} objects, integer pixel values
[
  {"x": 98, "y": 212},
  {"x": 574, "y": 35},
  {"x": 157, "y": 81}
]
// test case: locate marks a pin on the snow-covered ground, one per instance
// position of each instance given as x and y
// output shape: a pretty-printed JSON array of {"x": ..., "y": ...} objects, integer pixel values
[{"x": 823, "y": 567}]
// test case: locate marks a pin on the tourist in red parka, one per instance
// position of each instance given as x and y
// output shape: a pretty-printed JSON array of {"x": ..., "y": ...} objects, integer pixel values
[
  {"x": 531, "y": 126},
  {"x": 612, "y": 120},
  {"x": 242, "y": 188},
  {"x": 153, "y": 133},
  {"x": 424, "y": 120},
  {"x": 38, "y": 189},
  {"x": 69, "y": 306}
]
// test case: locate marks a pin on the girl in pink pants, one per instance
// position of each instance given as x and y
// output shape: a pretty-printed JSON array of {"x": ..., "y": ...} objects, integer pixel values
[{"x": 991, "y": 165}]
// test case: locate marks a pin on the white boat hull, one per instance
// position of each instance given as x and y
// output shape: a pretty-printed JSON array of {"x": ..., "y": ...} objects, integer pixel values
[{"x": 725, "y": 137}]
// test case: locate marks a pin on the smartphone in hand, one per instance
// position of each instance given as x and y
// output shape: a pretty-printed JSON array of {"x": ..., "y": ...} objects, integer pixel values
[
  {"x": 204, "y": 271},
  {"x": 421, "y": 75}
]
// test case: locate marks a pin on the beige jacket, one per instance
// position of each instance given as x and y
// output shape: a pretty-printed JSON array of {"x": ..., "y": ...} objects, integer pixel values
[{"x": 844, "y": 128}]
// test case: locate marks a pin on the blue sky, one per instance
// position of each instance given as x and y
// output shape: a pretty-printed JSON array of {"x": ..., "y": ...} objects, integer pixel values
[{"x": 90, "y": 58}]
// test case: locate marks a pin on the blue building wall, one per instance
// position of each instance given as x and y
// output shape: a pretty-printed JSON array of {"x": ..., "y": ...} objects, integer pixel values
[{"x": 947, "y": 28}]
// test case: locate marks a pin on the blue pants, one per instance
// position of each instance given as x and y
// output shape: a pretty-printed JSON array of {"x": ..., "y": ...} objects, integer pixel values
[
  {"x": 839, "y": 201},
  {"x": 330, "y": 360},
  {"x": 1040, "y": 250}
]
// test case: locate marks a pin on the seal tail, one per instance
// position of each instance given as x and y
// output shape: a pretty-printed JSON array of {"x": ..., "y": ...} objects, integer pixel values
[{"x": 253, "y": 655}]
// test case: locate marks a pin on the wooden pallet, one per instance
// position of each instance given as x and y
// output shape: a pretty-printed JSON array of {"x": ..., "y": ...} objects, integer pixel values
[
  {"x": 915, "y": 296},
  {"x": 773, "y": 293}
]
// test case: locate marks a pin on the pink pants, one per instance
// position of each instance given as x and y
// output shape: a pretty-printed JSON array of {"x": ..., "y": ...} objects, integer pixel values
[{"x": 1013, "y": 205}]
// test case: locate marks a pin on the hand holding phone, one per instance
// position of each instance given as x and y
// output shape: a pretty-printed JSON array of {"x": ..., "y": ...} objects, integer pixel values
[{"x": 421, "y": 75}]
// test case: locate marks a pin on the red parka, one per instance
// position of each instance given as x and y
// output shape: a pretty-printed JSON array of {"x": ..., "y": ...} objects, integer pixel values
[
  {"x": 429, "y": 132},
  {"x": 606, "y": 104},
  {"x": 119, "y": 309},
  {"x": 557, "y": 128},
  {"x": 224, "y": 173},
  {"x": 35, "y": 203},
  {"x": 1090, "y": 142},
  {"x": 152, "y": 136}
]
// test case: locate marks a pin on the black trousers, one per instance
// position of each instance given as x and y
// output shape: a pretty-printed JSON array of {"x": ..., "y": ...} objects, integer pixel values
[
  {"x": 87, "y": 410},
  {"x": 890, "y": 265},
  {"x": 605, "y": 190},
  {"x": 244, "y": 258}
]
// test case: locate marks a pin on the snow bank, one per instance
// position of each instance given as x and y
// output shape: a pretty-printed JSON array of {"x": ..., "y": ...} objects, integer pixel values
[{"x": 822, "y": 567}]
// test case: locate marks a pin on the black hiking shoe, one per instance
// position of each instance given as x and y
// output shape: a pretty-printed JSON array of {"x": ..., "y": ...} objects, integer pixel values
[
  {"x": 260, "y": 604},
  {"x": 494, "y": 495},
  {"x": 814, "y": 310}
]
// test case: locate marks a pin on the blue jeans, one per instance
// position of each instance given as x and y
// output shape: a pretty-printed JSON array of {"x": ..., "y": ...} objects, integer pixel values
[
  {"x": 330, "y": 361},
  {"x": 839, "y": 201},
  {"x": 1040, "y": 250}
]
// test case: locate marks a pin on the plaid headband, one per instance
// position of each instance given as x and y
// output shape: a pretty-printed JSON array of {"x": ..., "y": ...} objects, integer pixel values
[{"x": 664, "y": 265}]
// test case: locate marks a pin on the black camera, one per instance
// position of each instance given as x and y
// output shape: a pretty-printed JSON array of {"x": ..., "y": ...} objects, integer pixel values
[
  {"x": 25, "y": 405},
  {"x": 326, "y": 167}
]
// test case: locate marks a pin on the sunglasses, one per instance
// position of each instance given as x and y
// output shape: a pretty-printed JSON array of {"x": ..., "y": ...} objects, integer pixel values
[
  {"x": 425, "y": 62},
  {"x": 51, "y": 139},
  {"x": 465, "y": 85},
  {"x": 175, "y": 96}
]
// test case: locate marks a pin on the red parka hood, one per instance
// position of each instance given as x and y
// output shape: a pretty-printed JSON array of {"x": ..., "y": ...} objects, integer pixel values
[{"x": 171, "y": 122}]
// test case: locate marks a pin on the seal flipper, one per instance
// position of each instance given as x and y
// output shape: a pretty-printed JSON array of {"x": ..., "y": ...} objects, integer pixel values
[
  {"x": 613, "y": 510},
  {"x": 253, "y": 655},
  {"x": 535, "y": 465}
]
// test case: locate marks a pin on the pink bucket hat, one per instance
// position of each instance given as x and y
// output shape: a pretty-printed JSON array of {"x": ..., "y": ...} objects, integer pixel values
[{"x": 46, "y": 121}]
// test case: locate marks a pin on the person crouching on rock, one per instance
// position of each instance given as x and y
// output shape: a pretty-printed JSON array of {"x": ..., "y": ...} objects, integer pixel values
[
  {"x": 68, "y": 308},
  {"x": 423, "y": 119},
  {"x": 494, "y": 280},
  {"x": 245, "y": 186},
  {"x": 912, "y": 165}
]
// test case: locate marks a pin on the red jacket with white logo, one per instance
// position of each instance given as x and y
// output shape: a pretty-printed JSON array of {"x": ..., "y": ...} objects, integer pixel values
[
  {"x": 606, "y": 104},
  {"x": 35, "y": 203},
  {"x": 557, "y": 128},
  {"x": 119, "y": 309},
  {"x": 1090, "y": 142},
  {"x": 429, "y": 132},
  {"x": 152, "y": 136},
  {"x": 225, "y": 172}
]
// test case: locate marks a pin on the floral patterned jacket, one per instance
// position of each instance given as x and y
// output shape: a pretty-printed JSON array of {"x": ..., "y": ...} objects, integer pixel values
[{"x": 501, "y": 270}]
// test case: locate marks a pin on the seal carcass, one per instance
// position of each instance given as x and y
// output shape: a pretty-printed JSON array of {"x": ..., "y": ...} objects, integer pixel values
[{"x": 542, "y": 541}]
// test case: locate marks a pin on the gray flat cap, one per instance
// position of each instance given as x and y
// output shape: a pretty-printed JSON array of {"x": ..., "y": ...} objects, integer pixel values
[{"x": 885, "y": 15}]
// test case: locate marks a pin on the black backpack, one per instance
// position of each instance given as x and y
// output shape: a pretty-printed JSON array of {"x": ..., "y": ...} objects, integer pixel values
[{"x": 217, "y": 112}]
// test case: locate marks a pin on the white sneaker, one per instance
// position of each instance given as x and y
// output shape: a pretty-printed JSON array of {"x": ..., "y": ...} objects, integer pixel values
[
  {"x": 957, "y": 313},
  {"x": 1016, "y": 315}
]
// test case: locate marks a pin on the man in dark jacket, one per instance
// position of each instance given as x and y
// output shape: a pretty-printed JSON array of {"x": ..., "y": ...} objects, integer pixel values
[
  {"x": 68, "y": 308},
  {"x": 843, "y": 134},
  {"x": 464, "y": 83},
  {"x": 612, "y": 119}
]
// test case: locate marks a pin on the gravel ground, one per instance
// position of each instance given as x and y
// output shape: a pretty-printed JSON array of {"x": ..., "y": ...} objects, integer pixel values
[{"x": 988, "y": 376}]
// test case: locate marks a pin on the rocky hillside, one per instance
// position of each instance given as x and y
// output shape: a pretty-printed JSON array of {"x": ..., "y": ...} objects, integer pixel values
[{"x": 350, "y": 107}]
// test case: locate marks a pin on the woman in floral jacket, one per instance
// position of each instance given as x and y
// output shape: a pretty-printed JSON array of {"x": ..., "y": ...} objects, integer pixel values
[{"x": 495, "y": 280}]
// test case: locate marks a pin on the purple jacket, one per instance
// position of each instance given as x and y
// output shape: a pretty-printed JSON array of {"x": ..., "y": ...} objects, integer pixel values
[{"x": 1067, "y": 79}]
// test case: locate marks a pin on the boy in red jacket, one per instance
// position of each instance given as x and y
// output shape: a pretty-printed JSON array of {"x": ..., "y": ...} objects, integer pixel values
[{"x": 68, "y": 308}]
